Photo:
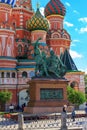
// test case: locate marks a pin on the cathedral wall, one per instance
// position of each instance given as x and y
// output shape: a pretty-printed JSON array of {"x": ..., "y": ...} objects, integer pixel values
[{"x": 77, "y": 77}]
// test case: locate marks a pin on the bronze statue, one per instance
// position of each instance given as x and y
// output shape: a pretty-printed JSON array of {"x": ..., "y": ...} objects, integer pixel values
[
  {"x": 36, "y": 47},
  {"x": 51, "y": 67}
]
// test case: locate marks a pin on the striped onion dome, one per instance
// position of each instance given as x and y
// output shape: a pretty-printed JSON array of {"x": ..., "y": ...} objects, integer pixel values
[
  {"x": 10, "y": 2},
  {"x": 38, "y": 22},
  {"x": 55, "y": 7}
]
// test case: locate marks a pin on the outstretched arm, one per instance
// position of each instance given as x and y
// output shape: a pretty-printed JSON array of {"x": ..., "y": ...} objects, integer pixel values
[{"x": 37, "y": 42}]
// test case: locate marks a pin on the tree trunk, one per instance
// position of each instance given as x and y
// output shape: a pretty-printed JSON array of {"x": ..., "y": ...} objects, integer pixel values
[{"x": 2, "y": 106}]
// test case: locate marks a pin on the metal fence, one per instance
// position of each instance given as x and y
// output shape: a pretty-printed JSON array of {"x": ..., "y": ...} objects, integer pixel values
[{"x": 42, "y": 122}]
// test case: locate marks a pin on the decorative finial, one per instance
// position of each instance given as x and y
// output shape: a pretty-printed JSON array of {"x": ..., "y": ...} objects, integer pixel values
[{"x": 38, "y": 5}]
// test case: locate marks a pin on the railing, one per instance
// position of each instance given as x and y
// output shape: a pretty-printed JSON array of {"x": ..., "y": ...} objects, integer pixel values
[
  {"x": 13, "y": 81},
  {"x": 42, "y": 122},
  {"x": 8, "y": 124}
]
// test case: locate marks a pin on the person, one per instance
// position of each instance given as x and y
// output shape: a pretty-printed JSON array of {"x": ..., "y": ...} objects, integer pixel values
[
  {"x": 23, "y": 105},
  {"x": 43, "y": 68},
  {"x": 36, "y": 47},
  {"x": 65, "y": 108},
  {"x": 86, "y": 109},
  {"x": 17, "y": 107},
  {"x": 11, "y": 108},
  {"x": 64, "y": 118},
  {"x": 55, "y": 65},
  {"x": 73, "y": 114}
]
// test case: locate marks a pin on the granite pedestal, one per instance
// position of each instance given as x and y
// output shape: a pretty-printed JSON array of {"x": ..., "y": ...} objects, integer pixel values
[{"x": 46, "y": 95}]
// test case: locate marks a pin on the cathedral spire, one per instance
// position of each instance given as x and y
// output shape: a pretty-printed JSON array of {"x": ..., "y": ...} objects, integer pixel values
[{"x": 38, "y": 5}]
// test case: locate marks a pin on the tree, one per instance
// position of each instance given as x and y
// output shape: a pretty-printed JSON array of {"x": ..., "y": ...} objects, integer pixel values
[
  {"x": 75, "y": 97},
  {"x": 5, "y": 96},
  {"x": 85, "y": 79}
]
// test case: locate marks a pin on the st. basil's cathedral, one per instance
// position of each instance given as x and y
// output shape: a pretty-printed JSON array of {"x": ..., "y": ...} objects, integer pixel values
[{"x": 20, "y": 27}]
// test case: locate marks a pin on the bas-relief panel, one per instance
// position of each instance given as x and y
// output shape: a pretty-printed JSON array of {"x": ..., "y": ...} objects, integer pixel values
[{"x": 51, "y": 94}]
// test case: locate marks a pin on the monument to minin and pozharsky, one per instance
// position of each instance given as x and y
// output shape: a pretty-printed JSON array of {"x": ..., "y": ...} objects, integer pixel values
[{"x": 47, "y": 89}]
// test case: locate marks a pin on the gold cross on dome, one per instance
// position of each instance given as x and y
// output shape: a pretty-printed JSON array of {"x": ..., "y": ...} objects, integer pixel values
[{"x": 38, "y": 5}]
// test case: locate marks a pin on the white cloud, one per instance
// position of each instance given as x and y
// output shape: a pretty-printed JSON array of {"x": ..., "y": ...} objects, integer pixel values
[
  {"x": 76, "y": 29},
  {"x": 74, "y": 54},
  {"x": 68, "y": 4},
  {"x": 83, "y": 30},
  {"x": 68, "y": 24},
  {"x": 83, "y": 70},
  {"x": 75, "y": 40},
  {"x": 86, "y": 71},
  {"x": 83, "y": 19},
  {"x": 72, "y": 44},
  {"x": 42, "y": 10},
  {"x": 75, "y": 11}
]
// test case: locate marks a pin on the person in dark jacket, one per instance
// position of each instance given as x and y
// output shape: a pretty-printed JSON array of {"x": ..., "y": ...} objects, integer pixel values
[{"x": 73, "y": 114}]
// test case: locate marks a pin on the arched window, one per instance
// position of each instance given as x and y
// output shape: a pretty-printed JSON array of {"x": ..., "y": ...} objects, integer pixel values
[
  {"x": 19, "y": 48},
  {"x": 14, "y": 24},
  {"x": 55, "y": 25},
  {"x": 55, "y": 36},
  {"x": 13, "y": 75},
  {"x": 74, "y": 84},
  {"x": 24, "y": 74},
  {"x": 2, "y": 75},
  {"x": 25, "y": 48},
  {"x": 8, "y": 75}
]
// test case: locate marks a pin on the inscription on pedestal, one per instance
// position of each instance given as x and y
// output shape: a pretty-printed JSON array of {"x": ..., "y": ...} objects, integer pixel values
[{"x": 51, "y": 93}]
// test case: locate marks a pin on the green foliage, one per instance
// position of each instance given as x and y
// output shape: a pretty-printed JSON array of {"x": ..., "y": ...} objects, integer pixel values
[
  {"x": 75, "y": 97},
  {"x": 5, "y": 96},
  {"x": 85, "y": 79},
  {"x": 2, "y": 113}
]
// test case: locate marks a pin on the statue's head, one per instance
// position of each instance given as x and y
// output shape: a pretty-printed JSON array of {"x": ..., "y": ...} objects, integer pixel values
[{"x": 51, "y": 52}]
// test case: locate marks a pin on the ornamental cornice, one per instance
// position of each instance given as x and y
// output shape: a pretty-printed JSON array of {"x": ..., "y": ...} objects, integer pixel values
[
  {"x": 61, "y": 39},
  {"x": 6, "y": 30},
  {"x": 75, "y": 73},
  {"x": 55, "y": 15},
  {"x": 5, "y": 6},
  {"x": 22, "y": 10},
  {"x": 6, "y": 58}
]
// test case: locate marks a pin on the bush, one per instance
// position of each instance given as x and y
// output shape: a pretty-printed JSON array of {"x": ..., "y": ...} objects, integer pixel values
[
  {"x": 75, "y": 97},
  {"x": 5, "y": 96}
]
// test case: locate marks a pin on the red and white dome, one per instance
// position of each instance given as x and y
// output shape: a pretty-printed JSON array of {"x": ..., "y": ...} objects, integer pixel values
[{"x": 55, "y": 7}]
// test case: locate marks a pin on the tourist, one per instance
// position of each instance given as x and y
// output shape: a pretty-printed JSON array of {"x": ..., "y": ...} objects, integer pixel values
[
  {"x": 23, "y": 105},
  {"x": 73, "y": 115},
  {"x": 11, "y": 108},
  {"x": 64, "y": 118},
  {"x": 86, "y": 109},
  {"x": 65, "y": 108}
]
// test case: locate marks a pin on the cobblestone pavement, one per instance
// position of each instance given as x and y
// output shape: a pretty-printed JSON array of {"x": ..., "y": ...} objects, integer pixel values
[
  {"x": 8, "y": 124},
  {"x": 48, "y": 124},
  {"x": 40, "y": 125}
]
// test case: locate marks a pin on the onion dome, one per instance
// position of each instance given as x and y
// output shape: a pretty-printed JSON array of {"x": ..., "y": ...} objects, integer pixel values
[
  {"x": 10, "y": 2},
  {"x": 38, "y": 22},
  {"x": 55, "y": 7}
]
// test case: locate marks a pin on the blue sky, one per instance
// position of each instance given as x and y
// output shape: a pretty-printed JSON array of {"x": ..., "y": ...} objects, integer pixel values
[{"x": 75, "y": 22}]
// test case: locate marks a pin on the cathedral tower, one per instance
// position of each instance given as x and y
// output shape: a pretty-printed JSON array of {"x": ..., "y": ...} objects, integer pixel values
[
  {"x": 7, "y": 34},
  {"x": 57, "y": 37}
]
